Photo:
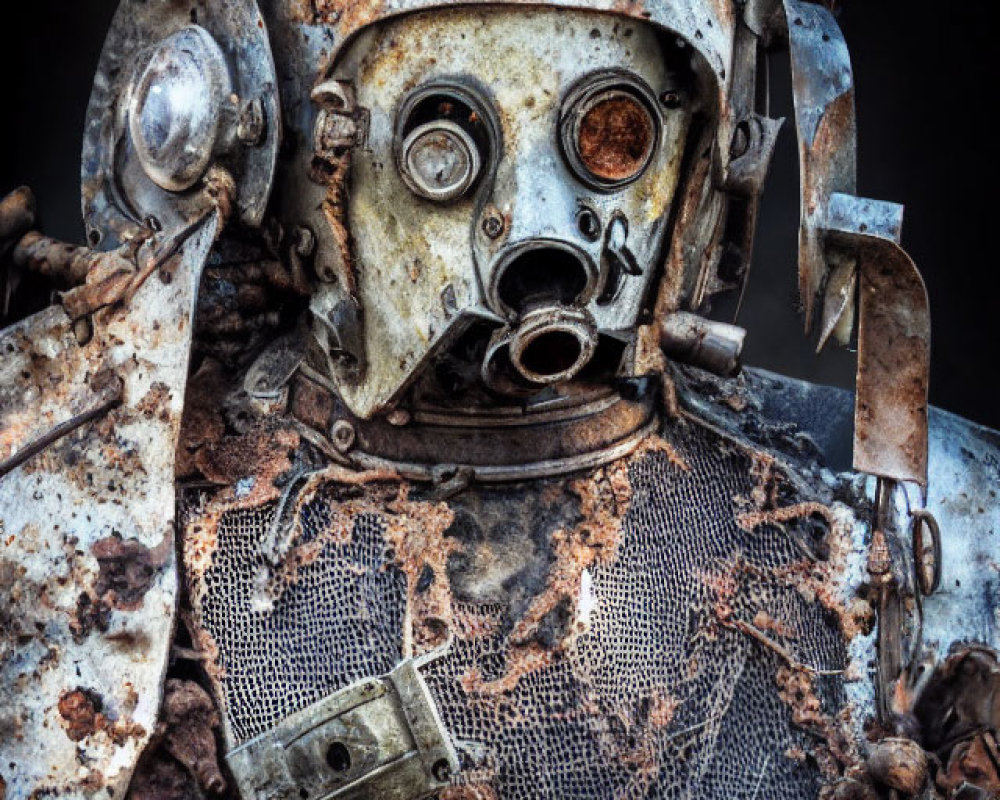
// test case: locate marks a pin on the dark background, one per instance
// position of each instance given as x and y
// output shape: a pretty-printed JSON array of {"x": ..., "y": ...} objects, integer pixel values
[{"x": 926, "y": 84}]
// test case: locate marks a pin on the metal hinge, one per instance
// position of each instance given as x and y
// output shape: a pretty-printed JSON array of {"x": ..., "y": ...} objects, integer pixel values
[{"x": 378, "y": 738}]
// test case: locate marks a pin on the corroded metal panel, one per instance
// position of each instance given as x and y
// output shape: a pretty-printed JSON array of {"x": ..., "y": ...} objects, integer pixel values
[{"x": 87, "y": 567}]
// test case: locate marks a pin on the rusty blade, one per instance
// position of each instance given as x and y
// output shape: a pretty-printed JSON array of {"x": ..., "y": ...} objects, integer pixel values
[{"x": 890, "y": 415}]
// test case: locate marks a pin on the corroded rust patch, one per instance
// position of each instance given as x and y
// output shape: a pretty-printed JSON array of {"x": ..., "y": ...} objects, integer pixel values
[
  {"x": 79, "y": 710},
  {"x": 82, "y": 714},
  {"x": 615, "y": 137},
  {"x": 836, "y": 750},
  {"x": 263, "y": 454},
  {"x": 127, "y": 569}
]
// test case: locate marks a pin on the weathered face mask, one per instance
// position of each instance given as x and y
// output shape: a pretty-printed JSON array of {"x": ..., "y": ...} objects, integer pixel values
[{"x": 514, "y": 187}]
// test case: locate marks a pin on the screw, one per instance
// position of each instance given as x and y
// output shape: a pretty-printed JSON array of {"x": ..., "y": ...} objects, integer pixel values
[
  {"x": 250, "y": 128},
  {"x": 672, "y": 98},
  {"x": 493, "y": 224},
  {"x": 342, "y": 434},
  {"x": 589, "y": 224}
]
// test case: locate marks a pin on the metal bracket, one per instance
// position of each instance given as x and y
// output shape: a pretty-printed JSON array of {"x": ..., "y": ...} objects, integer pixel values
[
  {"x": 890, "y": 417},
  {"x": 380, "y": 737}
]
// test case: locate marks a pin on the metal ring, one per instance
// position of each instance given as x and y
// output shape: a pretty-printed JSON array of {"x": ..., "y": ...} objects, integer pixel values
[
  {"x": 589, "y": 93},
  {"x": 463, "y": 145},
  {"x": 923, "y": 517}
]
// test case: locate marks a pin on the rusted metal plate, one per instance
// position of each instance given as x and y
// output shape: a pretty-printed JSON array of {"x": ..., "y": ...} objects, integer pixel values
[
  {"x": 35, "y": 400},
  {"x": 890, "y": 420},
  {"x": 87, "y": 570},
  {"x": 823, "y": 85}
]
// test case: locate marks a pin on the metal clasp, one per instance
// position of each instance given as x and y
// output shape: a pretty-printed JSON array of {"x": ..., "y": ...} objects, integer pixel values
[{"x": 378, "y": 738}]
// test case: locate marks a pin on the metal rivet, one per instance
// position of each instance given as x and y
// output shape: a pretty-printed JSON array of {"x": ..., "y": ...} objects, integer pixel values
[
  {"x": 250, "y": 128},
  {"x": 493, "y": 225},
  {"x": 342, "y": 435},
  {"x": 398, "y": 417}
]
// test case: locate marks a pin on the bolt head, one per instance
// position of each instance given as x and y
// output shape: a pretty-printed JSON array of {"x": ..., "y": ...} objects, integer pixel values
[
  {"x": 493, "y": 225},
  {"x": 342, "y": 435}
]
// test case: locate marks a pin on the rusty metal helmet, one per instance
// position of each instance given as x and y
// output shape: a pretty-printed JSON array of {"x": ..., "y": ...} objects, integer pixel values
[{"x": 404, "y": 271}]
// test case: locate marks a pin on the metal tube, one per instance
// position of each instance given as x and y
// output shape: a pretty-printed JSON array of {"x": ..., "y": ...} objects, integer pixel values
[{"x": 704, "y": 343}]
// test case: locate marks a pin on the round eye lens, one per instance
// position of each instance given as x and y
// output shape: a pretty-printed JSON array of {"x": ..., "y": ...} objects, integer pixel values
[
  {"x": 175, "y": 109},
  {"x": 614, "y": 136},
  {"x": 439, "y": 160}
]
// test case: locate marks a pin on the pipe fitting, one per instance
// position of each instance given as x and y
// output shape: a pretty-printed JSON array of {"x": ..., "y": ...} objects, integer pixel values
[{"x": 552, "y": 344}]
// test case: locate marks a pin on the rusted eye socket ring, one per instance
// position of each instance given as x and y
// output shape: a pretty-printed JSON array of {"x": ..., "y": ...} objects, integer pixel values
[
  {"x": 444, "y": 138},
  {"x": 609, "y": 131},
  {"x": 440, "y": 161}
]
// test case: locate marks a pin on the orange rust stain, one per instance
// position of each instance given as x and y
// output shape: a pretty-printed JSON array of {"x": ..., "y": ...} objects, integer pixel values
[
  {"x": 201, "y": 538},
  {"x": 156, "y": 402},
  {"x": 263, "y": 453},
  {"x": 206, "y": 646},
  {"x": 836, "y": 750},
  {"x": 765, "y": 622},
  {"x": 82, "y": 716},
  {"x": 520, "y": 662},
  {"x": 657, "y": 444},
  {"x": 415, "y": 532},
  {"x": 751, "y": 520},
  {"x": 663, "y": 706}
]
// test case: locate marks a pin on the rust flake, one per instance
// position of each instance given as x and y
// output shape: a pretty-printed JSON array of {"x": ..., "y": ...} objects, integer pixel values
[
  {"x": 415, "y": 532},
  {"x": 263, "y": 453},
  {"x": 83, "y": 716},
  {"x": 835, "y": 750},
  {"x": 156, "y": 402},
  {"x": 128, "y": 569}
]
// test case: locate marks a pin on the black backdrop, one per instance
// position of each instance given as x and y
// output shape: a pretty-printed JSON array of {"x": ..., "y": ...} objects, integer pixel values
[{"x": 926, "y": 83}]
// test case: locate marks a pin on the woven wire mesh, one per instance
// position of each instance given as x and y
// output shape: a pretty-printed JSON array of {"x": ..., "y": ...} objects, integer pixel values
[{"x": 650, "y": 697}]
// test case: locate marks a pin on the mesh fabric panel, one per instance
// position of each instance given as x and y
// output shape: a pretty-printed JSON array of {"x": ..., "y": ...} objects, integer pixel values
[{"x": 639, "y": 683}]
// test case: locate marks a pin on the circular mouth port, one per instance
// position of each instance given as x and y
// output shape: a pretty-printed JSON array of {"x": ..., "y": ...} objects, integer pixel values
[
  {"x": 552, "y": 344},
  {"x": 542, "y": 276}
]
